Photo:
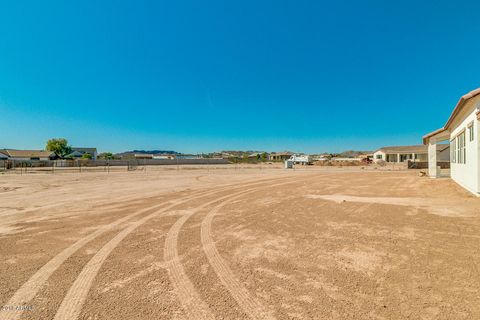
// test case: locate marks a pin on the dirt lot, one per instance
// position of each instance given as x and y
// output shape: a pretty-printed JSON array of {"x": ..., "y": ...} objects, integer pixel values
[{"x": 238, "y": 243}]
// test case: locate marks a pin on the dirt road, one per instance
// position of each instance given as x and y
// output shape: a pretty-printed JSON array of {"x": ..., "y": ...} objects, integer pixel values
[{"x": 232, "y": 243}]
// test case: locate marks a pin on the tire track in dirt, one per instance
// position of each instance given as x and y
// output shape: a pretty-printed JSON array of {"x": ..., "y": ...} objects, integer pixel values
[
  {"x": 72, "y": 303},
  {"x": 30, "y": 288},
  {"x": 192, "y": 304},
  {"x": 252, "y": 307}
]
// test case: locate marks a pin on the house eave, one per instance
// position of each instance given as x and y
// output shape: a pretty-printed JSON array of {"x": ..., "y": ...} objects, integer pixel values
[
  {"x": 461, "y": 103},
  {"x": 427, "y": 137}
]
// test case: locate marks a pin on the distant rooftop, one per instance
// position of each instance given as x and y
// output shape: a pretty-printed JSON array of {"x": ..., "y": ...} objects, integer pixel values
[
  {"x": 83, "y": 149},
  {"x": 412, "y": 149},
  {"x": 26, "y": 153}
]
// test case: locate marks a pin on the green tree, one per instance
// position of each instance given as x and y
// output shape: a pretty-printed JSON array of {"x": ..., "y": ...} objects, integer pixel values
[
  {"x": 87, "y": 156},
  {"x": 106, "y": 156},
  {"x": 264, "y": 156},
  {"x": 59, "y": 146}
]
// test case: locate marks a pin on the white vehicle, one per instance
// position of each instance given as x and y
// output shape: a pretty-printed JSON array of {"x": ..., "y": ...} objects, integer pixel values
[{"x": 301, "y": 159}]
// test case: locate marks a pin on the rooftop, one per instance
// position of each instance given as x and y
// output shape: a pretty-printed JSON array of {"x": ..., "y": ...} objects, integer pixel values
[
  {"x": 27, "y": 153},
  {"x": 82, "y": 149},
  {"x": 458, "y": 108},
  {"x": 412, "y": 149}
]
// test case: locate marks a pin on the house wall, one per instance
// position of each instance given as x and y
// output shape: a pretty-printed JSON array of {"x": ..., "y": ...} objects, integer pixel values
[
  {"x": 378, "y": 154},
  {"x": 441, "y": 156},
  {"x": 420, "y": 157},
  {"x": 468, "y": 175},
  {"x": 276, "y": 157},
  {"x": 28, "y": 158}
]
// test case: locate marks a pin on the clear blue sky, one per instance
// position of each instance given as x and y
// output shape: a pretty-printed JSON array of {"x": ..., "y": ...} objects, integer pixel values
[{"x": 197, "y": 76}]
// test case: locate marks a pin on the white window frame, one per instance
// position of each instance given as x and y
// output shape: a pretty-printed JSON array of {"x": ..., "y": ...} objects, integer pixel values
[
  {"x": 460, "y": 148},
  {"x": 453, "y": 150},
  {"x": 471, "y": 132}
]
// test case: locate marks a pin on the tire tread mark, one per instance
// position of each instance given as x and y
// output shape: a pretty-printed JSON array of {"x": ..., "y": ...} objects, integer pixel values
[
  {"x": 72, "y": 303},
  {"x": 30, "y": 288},
  {"x": 193, "y": 306},
  {"x": 252, "y": 307}
]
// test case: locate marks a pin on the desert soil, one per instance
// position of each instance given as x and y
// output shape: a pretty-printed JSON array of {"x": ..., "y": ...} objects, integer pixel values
[{"x": 238, "y": 243}]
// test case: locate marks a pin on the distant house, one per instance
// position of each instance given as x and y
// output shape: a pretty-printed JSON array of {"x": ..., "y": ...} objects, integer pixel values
[
  {"x": 23, "y": 155},
  {"x": 226, "y": 155},
  {"x": 366, "y": 156},
  {"x": 79, "y": 152},
  {"x": 280, "y": 156},
  {"x": 341, "y": 159},
  {"x": 414, "y": 153},
  {"x": 164, "y": 156},
  {"x": 255, "y": 156},
  {"x": 462, "y": 130},
  {"x": 143, "y": 156},
  {"x": 321, "y": 157}
]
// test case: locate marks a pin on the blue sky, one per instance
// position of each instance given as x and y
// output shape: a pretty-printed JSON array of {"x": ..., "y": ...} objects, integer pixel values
[{"x": 199, "y": 76}]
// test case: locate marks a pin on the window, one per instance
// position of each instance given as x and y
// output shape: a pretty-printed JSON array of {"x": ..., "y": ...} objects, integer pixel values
[
  {"x": 453, "y": 150},
  {"x": 460, "y": 148},
  {"x": 379, "y": 156},
  {"x": 471, "y": 135}
]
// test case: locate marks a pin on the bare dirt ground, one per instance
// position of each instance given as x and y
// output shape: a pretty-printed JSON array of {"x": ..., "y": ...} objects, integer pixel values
[{"x": 238, "y": 243}]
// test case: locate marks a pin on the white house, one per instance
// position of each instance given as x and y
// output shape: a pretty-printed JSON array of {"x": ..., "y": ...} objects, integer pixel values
[
  {"x": 79, "y": 152},
  {"x": 414, "y": 153},
  {"x": 22, "y": 155},
  {"x": 462, "y": 130},
  {"x": 280, "y": 156}
]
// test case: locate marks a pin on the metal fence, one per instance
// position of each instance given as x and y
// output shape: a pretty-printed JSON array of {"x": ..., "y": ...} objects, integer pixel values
[
  {"x": 424, "y": 164},
  {"x": 51, "y": 165}
]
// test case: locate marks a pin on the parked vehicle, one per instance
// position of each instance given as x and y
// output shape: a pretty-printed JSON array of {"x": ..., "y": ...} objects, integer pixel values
[{"x": 301, "y": 159}]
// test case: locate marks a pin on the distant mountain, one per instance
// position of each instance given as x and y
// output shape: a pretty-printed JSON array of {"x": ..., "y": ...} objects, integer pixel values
[
  {"x": 352, "y": 153},
  {"x": 128, "y": 154},
  {"x": 153, "y": 152},
  {"x": 239, "y": 153}
]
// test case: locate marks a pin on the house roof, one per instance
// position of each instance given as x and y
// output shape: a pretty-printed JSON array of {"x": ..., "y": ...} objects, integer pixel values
[
  {"x": 85, "y": 150},
  {"x": 412, "y": 149},
  {"x": 284, "y": 153},
  {"x": 458, "y": 108},
  {"x": 76, "y": 153},
  {"x": 12, "y": 153}
]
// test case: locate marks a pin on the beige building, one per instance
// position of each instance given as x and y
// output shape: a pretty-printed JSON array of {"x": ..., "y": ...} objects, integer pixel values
[
  {"x": 79, "y": 152},
  {"x": 280, "y": 156},
  {"x": 23, "y": 155},
  {"x": 462, "y": 130},
  {"x": 414, "y": 153}
]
